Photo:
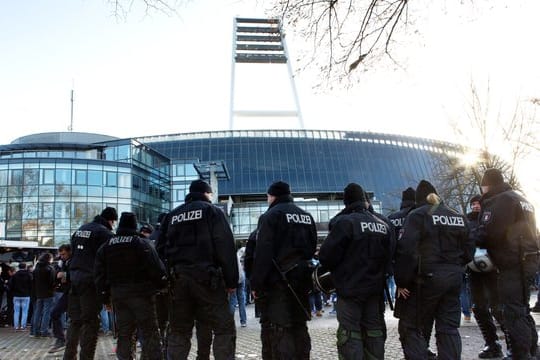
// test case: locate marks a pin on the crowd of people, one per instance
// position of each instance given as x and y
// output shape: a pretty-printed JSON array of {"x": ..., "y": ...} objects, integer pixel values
[{"x": 158, "y": 284}]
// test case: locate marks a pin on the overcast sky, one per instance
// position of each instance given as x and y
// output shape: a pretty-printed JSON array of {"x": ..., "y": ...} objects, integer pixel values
[{"x": 158, "y": 74}]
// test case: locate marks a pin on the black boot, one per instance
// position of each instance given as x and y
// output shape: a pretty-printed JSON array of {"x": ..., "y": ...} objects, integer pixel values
[{"x": 491, "y": 351}]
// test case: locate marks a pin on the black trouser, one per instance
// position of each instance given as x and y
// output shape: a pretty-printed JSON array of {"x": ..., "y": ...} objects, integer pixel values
[
  {"x": 204, "y": 340},
  {"x": 266, "y": 326},
  {"x": 362, "y": 330},
  {"x": 83, "y": 311},
  {"x": 137, "y": 313},
  {"x": 289, "y": 335},
  {"x": 56, "y": 316},
  {"x": 193, "y": 299},
  {"x": 513, "y": 291},
  {"x": 438, "y": 299},
  {"x": 486, "y": 304}
]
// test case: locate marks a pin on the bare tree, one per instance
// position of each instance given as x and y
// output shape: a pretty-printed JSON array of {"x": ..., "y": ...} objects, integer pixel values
[
  {"x": 494, "y": 141},
  {"x": 121, "y": 8}
]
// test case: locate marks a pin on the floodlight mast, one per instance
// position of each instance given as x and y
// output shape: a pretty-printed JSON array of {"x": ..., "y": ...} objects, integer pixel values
[{"x": 260, "y": 41}]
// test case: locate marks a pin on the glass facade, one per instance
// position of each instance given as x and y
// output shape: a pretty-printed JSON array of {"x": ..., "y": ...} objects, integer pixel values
[
  {"x": 52, "y": 183},
  {"x": 317, "y": 165},
  {"x": 48, "y": 190}
]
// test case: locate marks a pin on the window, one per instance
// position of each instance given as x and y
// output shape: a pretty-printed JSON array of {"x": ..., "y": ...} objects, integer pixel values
[
  {"x": 95, "y": 178},
  {"x": 48, "y": 176},
  {"x": 80, "y": 177},
  {"x": 111, "y": 179}
]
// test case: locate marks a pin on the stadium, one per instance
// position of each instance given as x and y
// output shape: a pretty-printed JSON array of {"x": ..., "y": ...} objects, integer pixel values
[{"x": 51, "y": 183}]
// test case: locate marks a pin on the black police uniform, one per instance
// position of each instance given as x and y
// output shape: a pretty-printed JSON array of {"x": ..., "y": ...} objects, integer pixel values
[
  {"x": 199, "y": 249},
  {"x": 287, "y": 239},
  {"x": 128, "y": 273},
  {"x": 485, "y": 302},
  {"x": 407, "y": 204},
  {"x": 508, "y": 231},
  {"x": 430, "y": 255},
  {"x": 83, "y": 304},
  {"x": 357, "y": 251}
]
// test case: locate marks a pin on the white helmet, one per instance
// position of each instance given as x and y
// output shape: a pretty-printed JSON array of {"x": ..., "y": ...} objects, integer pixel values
[{"x": 481, "y": 261}]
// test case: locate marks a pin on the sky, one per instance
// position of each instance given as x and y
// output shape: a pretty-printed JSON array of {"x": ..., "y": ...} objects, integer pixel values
[{"x": 159, "y": 74}]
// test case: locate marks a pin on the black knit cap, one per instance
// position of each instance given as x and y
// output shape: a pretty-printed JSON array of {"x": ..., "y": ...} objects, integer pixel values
[
  {"x": 408, "y": 194},
  {"x": 109, "y": 213},
  {"x": 423, "y": 189},
  {"x": 474, "y": 199},
  {"x": 147, "y": 228},
  {"x": 279, "y": 188},
  {"x": 492, "y": 177},
  {"x": 353, "y": 193},
  {"x": 128, "y": 220},
  {"x": 199, "y": 186}
]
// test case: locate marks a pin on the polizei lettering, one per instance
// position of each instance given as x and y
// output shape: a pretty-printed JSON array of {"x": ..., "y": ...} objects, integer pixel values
[
  {"x": 187, "y": 216},
  {"x": 83, "y": 233},
  {"x": 298, "y": 219},
  {"x": 120, "y": 240},
  {"x": 448, "y": 220},
  {"x": 374, "y": 227},
  {"x": 397, "y": 222}
]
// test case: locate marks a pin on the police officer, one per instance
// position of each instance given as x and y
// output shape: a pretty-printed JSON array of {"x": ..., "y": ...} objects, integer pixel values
[
  {"x": 357, "y": 251},
  {"x": 508, "y": 232},
  {"x": 83, "y": 304},
  {"x": 484, "y": 295},
  {"x": 198, "y": 244},
  {"x": 430, "y": 255},
  {"x": 128, "y": 273},
  {"x": 286, "y": 241},
  {"x": 407, "y": 204}
]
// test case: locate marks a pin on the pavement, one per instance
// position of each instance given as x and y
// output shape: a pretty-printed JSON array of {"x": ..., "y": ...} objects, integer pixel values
[{"x": 19, "y": 345}]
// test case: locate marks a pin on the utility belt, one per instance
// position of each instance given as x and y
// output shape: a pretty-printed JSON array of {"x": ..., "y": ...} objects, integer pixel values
[{"x": 207, "y": 275}]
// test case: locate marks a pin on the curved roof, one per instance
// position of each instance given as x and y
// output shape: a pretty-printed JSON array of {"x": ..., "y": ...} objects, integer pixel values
[{"x": 63, "y": 137}]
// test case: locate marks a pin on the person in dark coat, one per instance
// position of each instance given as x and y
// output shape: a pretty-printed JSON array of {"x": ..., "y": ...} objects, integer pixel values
[
  {"x": 20, "y": 285},
  {"x": 430, "y": 256},
  {"x": 484, "y": 295},
  {"x": 83, "y": 304},
  {"x": 357, "y": 251},
  {"x": 197, "y": 245},
  {"x": 508, "y": 231},
  {"x": 286, "y": 243},
  {"x": 128, "y": 274},
  {"x": 60, "y": 308},
  {"x": 44, "y": 277}
]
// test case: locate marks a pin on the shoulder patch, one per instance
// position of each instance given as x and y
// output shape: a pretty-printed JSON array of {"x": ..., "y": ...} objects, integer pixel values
[{"x": 486, "y": 216}]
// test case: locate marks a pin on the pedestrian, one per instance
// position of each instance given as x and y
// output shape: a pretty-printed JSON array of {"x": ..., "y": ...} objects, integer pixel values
[
  {"x": 286, "y": 243},
  {"x": 128, "y": 274},
  {"x": 60, "y": 308},
  {"x": 238, "y": 297},
  {"x": 508, "y": 231},
  {"x": 44, "y": 277},
  {"x": 197, "y": 244},
  {"x": 20, "y": 286},
  {"x": 431, "y": 252},
  {"x": 357, "y": 252},
  {"x": 83, "y": 304}
]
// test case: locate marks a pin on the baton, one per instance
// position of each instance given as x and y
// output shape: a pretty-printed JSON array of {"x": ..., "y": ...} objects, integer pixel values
[{"x": 284, "y": 278}]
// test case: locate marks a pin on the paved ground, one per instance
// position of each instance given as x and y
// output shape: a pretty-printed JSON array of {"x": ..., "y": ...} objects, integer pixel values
[{"x": 14, "y": 346}]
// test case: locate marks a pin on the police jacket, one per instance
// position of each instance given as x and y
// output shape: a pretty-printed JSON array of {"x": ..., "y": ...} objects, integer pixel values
[
  {"x": 127, "y": 265},
  {"x": 398, "y": 218},
  {"x": 507, "y": 227},
  {"x": 357, "y": 251},
  {"x": 249, "y": 255},
  {"x": 44, "y": 280},
  {"x": 85, "y": 243},
  {"x": 197, "y": 235},
  {"x": 287, "y": 236},
  {"x": 20, "y": 284},
  {"x": 434, "y": 237}
]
